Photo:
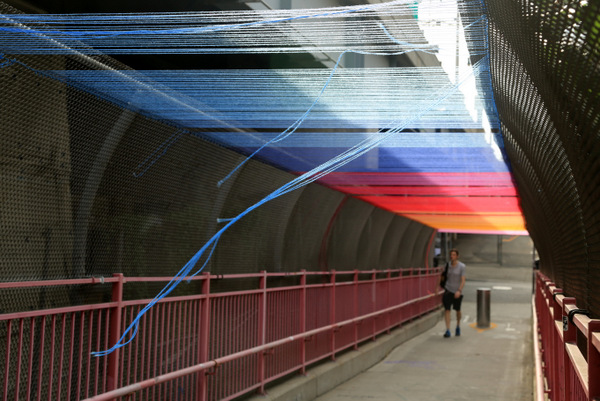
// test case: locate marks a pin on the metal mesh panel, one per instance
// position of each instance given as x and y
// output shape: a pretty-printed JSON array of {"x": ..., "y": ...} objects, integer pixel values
[
  {"x": 313, "y": 212},
  {"x": 372, "y": 238},
  {"x": 410, "y": 238},
  {"x": 345, "y": 235},
  {"x": 248, "y": 246},
  {"x": 544, "y": 59},
  {"x": 364, "y": 237},
  {"x": 395, "y": 235}
]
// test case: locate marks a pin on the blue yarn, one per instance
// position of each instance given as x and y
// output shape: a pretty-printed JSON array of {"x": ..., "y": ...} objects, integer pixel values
[
  {"x": 72, "y": 37},
  {"x": 393, "y": 39},
  {"x": 292, "y": 128},
  {"x": 164, "y": 146},
  {"x": 78, "y": 31},
  {"x": 81, "y": 35},
  {"x": 7, "y": 62}
]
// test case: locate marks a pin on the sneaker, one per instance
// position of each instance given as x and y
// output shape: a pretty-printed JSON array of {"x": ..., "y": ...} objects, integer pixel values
[
  {"x": 457, "y": 331},
  {"x": 447, "y": 334}
]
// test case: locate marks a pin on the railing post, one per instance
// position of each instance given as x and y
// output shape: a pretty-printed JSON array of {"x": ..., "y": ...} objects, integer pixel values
[
  {"x": 262, "y": 329},
  {"x": 554, "y": 341},
  {"x": 547, "y": 326},
  {"x": 421, "y": 291},
  {"x": 388, "y": 301},
  {"x": 303, "y": 320},
  {"x": 569, "y": 336},
  {"x": 332, "y": 311},
  {"x": 401, "y": 295},
  {"x": 374, "y": 303},
  {"x": 593, "y": 359},
  {"x": 112, "y": 374},
  {"x": 355, "y": 308},
  {"x": 204, "y": 336},
  {"x": 413, "y": 306},
  {"x": 538, "y": 290}
]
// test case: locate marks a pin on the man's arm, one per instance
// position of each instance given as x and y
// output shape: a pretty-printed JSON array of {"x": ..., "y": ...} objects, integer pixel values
[{"x": 458, "y": 293}]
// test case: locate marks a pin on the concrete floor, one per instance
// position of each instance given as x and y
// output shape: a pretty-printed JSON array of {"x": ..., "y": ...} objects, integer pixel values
[
  {"x": 516, "y": 251},
  {"x": 493, "y": 364}
]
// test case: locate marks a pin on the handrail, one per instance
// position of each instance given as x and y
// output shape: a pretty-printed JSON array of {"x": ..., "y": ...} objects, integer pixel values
[
  {"x": 132, "y": 388},
  {"x": 136, "y": 279},
  {"x": 51, "y": 349},
  {"x": 571, "y": 374},
  {"x": 53, "y": 283}
]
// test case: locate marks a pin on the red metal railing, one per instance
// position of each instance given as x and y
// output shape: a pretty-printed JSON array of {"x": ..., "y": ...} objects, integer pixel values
[
  {"x": 568, "y": 346},
  {"x": 208, "y": 346}
]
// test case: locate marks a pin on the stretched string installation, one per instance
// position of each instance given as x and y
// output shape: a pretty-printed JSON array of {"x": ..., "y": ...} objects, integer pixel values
[
  {"x": 309, "y": 177},
  {"x": 270, "y": 31},
  {"x": 359, "y": 109}
]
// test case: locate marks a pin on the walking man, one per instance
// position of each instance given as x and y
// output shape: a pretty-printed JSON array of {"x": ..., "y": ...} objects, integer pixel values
[{"x": 452, "y": 297}]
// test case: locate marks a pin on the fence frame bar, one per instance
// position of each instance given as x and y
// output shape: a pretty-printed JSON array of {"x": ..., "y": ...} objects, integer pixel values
[
  {"x": 559, "y": 358},
  {"x": 124, "y": 391},
  {"x": 75, "y": 330}
]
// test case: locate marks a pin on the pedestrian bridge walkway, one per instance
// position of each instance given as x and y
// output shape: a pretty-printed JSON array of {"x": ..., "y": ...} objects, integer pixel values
[{"x": 492, "y": 364}]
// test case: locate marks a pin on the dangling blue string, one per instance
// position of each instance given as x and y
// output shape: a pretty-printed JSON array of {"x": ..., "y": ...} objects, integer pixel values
[
  {"x": 7, "y": 61},
  {"x": 164, "y": 147}
]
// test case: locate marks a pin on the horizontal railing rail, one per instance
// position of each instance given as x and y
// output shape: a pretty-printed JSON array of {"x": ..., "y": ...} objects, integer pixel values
[
  {"x": 209, "y": 345},
  {"x": 127, "y": 390},
  {"x": 567, "y": 345}
]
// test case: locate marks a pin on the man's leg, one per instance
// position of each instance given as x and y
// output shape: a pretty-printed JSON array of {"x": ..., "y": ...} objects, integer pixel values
[
  {"x": 447, "y": 316},
  {"x": 458, "y": 316},
  {"x": 447, "y": 301}
]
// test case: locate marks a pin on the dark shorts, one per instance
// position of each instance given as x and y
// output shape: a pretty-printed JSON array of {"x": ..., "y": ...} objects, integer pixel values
[{"x": 450, "y": 302}]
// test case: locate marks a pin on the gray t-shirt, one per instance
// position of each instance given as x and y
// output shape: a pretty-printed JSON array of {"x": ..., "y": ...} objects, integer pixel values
[{"x": 454, "y": 276}]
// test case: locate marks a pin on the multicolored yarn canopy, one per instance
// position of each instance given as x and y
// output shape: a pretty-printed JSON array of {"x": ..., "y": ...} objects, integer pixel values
[
  {"x": 446, "y": 168},
  {"x": 421, "y": 139}
]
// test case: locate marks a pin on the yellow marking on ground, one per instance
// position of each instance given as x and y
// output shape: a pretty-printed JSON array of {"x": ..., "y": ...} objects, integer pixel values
[{"x": 480, "y": 329}]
